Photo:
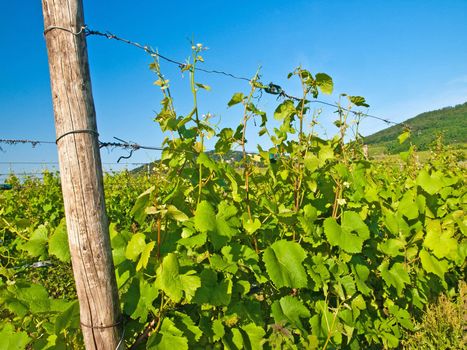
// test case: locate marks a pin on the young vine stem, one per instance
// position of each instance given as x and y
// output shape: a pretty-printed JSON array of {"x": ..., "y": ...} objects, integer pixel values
[
  {"x": 152, "y": 326},
  {"x": 331, "y": 329},
  {"x": 343, "y": 115},
  {"x": 195, "y": 108},
  {"x": 246, "y": 163},
  {"x": 337, "y": 196},
  {"x": 14, "y": 230},
  {"x": 300, "y": 198},
  {"x": 298, "y": 180}
]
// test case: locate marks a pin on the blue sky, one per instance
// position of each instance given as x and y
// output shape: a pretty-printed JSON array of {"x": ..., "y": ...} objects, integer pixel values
[{"x": 404, "y": 57}]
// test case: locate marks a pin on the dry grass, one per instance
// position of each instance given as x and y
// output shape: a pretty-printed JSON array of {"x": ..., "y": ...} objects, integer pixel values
[{"x": 444, "y": 325}]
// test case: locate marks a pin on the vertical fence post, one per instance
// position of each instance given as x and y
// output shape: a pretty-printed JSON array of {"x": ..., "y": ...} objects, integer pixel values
[{"x": 81, "y": 174}]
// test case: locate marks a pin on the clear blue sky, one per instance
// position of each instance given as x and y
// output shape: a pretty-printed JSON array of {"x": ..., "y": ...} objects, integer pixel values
[{"x": 404, "y": 56}]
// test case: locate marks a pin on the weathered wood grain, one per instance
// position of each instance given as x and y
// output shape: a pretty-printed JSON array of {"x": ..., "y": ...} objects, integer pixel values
[{"x": 81, "y": 174}]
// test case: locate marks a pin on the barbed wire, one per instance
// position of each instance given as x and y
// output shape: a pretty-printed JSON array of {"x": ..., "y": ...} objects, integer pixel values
[
  {"x": 153, "y": 52},
  {"x": 132, "y": 146},
  {"x": 272, "y": 88},
  {"x": 34, "y": 143},
  {"x": 41, "y": 173},
  {"x": 56, "y": 163},
  {"x": 22, "y": 173}
]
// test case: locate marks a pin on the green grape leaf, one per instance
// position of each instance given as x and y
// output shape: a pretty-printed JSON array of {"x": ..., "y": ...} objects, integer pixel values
[
  {"x": 325, "y": 153},
  {"x": 139, "y": 209},
  {"x": 36, "y": 246},
  {"x": 440, "y": 242},
  {"x": 203, "y": 86},
  {"x": 407, "y": 206},
  {"x": 190, "y": 284},
  {"x": 218, "y": 330},
  {"x": 237, "y": 339},
  {"x": 12, "y": 340},
  {"x": 30, "y": 298},
  {"x": 311, "y": 162},
  {"x": 194, "y": 241},
  {"x": 203, "y": 159},
  {"x": 234, "y": 185},
  {"x": 168, "y": 338},
  {"x": 172, "y": 283},
  {"x": 283, "y": 260},
  {"x": 226, "y": 225},
  {"x": 358, "y": 101},
  {"x": 430, "y": 183},
  {"x": 58, "y": 243},
  {"x": 68, "y": 319},
  {"x": 391, "y": 340},
  {"x": 191, "y": 330},
  {"x": 285, "y": 110},
  {"x": 255, "y": 334},
  {"x": 176, "y": 214},
  {"x": 219, "y": 264},
  {"x": 251, "y": 226},
  {"x": 396, "y": 276},
  {"x": 404, "y": 136},
  {"x": 392, "y": 247},
  {"x": 236, "y": 98},
  {"x": 433, "y": 265},
  {"x": 307, "y": 220},
  {"x": 349, "y": 285},
  {"x": 205, "y": 217},
  {"x": 350, "y": 235},
  {"x": 289, "y": 309},
  {"x": 212, "y": 291},
  {"x": 402, "y": 316},
  {"x": 224, "y": 143},
  {"x": 221, "y": 227},
  {"x": 138, "y": 299},
  {"x": 358, "y": 303},
  {"x": 325, "y": 83},
  {"x": 136, "y": 246},
  {"x": 145, "y": 255}
]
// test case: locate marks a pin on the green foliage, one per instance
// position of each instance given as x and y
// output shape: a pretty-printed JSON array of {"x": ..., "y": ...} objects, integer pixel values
[
  {"x": 37, "y": 293},
  {"x": 304, "y": 245}
]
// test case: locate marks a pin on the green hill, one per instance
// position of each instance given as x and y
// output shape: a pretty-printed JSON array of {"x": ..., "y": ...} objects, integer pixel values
[{"x": 450, "y": 122}]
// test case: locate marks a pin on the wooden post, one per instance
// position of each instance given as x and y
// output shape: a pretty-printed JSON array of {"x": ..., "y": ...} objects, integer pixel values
[{"x": 81, "y": 174}]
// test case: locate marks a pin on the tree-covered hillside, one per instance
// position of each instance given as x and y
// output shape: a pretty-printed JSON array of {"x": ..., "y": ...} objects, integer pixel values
[{"x": 450, "y": 122}]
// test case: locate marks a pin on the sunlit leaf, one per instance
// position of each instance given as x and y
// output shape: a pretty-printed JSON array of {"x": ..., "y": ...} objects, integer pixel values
[
  {"x": 136, "y": 246},
  {"x": 349, "y": 235},
  {"x": 36, "y": 246},
  {"x": 236, "y": 98},
  {"x": 283, "y": 260},
  {"x": 58, "y": 243},
  {"x": 12, "y": 340},
  {"x": 358, "y": 101},
  {"x": 325, "y": 83},
  {"x": 168, "y": 338},
  {"x": 285, "y": 110}
]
